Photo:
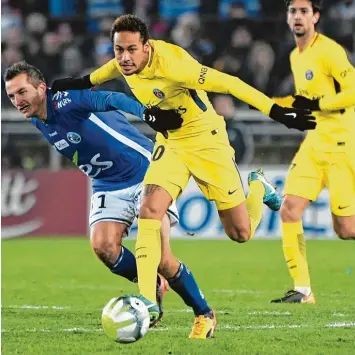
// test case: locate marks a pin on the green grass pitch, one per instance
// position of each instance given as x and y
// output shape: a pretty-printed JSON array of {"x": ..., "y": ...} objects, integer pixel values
[{"x": 53, "y": 291}]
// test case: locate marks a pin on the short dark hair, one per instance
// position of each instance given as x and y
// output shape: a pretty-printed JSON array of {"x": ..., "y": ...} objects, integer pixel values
[
  {"x": 317, "y": 5},
  {"x": 130, "y": 23},
  {"x": 35, "y": 77}
]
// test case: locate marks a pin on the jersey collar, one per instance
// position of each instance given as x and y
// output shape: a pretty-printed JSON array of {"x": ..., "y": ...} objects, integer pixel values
[
  {"x": 311, "y": 43},
  {"x": 50, "y": 108}
]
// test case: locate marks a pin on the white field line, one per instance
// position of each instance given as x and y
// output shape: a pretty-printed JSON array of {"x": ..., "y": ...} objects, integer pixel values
[
  {"x": 25, "y": 306},
  {"x": 222, "y": 327},
  {"x": 268, "y": 313},
  {"x": 183, "y": 310},
  {"x": 220, "y": 291},
  {"x": 338, "y": 314}
]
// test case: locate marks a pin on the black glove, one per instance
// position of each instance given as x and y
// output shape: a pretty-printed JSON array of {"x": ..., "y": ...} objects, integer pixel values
[
  {"x": 162, "y": 120},
  {"x": 70, "y": 83},
  {"x": 303, "y": 102},
  {"x": 293, "y": 118}
]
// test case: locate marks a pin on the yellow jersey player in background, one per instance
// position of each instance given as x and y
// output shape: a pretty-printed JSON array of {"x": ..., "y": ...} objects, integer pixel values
[
  {"x": 325, "y": 83},
  {"x": 192, "y": 141}
]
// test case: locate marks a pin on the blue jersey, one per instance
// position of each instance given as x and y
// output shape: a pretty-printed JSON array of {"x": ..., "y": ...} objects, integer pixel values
[{"x": 104, "y": 145}]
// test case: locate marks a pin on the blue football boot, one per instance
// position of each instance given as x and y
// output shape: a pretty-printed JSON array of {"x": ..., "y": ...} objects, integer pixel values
[{"x": 272, "y": 198}]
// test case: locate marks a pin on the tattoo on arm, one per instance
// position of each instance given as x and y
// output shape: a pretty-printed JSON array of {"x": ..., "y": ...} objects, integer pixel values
[{"x": 149, "y": 189}]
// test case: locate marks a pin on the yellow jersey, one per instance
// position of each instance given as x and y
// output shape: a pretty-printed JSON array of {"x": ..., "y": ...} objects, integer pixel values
[
  {"x": 323, "y": 71},
  {"x": 172, "y": 79}
]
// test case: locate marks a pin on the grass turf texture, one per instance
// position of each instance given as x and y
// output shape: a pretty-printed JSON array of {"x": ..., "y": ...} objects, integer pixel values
[{"x": 53, "y": 292}]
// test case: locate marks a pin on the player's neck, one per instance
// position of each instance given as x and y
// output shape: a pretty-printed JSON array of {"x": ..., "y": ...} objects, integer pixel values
[
  {"x": 147, "y": 59},
  {"x": 42, "y": 111},
  {"x": 304, "y": 41}
]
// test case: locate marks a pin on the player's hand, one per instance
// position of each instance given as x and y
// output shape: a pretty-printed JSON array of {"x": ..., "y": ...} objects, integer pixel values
[
  {"x": 70, "y": 83},
  {"x": 303, "y": 102},
  {"x": 162, "y": 120},
  {"x": 293, "y": 118}
]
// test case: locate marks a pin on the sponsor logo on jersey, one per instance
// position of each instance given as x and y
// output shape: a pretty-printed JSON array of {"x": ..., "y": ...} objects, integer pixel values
[
  {"x": 62, "y": 144},
  {"x": 53, "y": 134},
  {"x": 158, "y": 93},
  {"x": 203, "y": 72},
  {"x": 309, "y": 75},
  {"x": 74, "y": 137},
  {"x": 60, "y": 99},
  {"x": 59, "y": 95}
]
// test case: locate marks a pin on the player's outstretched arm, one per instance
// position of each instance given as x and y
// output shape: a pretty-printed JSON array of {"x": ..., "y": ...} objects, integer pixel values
[
  {"x": 70, "y": 83},
  {"x": 189, "y": 73},
  {"x": 102, "y": 101},
  {"x": 107, "y": 72}
]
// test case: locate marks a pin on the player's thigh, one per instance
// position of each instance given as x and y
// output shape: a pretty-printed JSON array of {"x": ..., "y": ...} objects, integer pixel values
[
  {"x": 305, "y": 177},
  {"x": 215, "y": 171},
  {"x": 341, "y": 184},
  {"x": 167, "y": 170},
  {"x": 118, "y": 207}
]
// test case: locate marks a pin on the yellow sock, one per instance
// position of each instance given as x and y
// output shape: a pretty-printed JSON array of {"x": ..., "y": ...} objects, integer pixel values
[
  {"x": 255, "y": 204},
  {"x": 148, "y": 254},
  {"x": 294, "y": 248}
]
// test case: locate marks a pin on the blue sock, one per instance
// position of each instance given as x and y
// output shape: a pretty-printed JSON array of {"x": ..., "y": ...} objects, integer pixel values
[
  {"x": 126, "y": 266},
  {"x": 184, "y": 284}
]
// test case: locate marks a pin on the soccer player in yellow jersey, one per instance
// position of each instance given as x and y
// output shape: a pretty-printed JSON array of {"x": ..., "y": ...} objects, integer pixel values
[
  {"x": 193, "y": 143},
  {"x": 325, "y": 83}
]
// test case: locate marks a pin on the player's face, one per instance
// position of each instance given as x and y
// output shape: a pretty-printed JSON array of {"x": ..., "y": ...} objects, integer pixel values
[
  {"x": 28, "y": 99},
  {"x": 130, "y": 52},
  {"x": 301, "y": 18}
]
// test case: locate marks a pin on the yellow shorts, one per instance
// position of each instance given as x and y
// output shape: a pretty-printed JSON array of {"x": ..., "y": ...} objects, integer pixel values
[
  {"x": 208, "y": 158},
  {"x": 313, "y": 170}
]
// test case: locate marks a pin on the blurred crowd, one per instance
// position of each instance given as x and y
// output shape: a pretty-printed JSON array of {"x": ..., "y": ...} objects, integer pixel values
[{"x": 246, "y": 38}]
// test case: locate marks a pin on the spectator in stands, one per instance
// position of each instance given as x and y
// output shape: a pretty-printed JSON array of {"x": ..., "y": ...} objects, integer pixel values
[
  {"x": 234, "y": 59},
  {"x": 185, "y": 30},
  {"x": 172, "y": 9},
  {"x": 260, "y": 63}
]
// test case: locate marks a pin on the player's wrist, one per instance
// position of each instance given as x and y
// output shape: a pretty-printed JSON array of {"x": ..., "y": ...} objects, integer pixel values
[{"x": 321, "y": 105}]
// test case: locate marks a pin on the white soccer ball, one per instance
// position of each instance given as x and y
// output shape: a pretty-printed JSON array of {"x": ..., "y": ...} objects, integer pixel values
[{"x": 125, "y": 319}]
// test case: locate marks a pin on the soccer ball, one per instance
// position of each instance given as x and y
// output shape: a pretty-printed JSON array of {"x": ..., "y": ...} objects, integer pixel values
[{"x": 125, "y": 319}]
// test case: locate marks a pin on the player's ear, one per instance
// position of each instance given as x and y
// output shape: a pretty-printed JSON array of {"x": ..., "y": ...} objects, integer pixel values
[
  {"x": 316, "y": 18},
  {"x": 146, "y": 47},
  {"x": 42, "y": 88}
]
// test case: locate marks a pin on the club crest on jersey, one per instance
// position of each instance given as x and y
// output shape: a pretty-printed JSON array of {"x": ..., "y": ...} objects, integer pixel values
[
  {"x": 74, "y": 137},
  {"x": 309, "y": 75},
  {"x": 158, "y": 93}
]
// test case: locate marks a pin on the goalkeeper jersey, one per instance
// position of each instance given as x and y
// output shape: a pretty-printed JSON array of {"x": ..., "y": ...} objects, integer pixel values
[
  {"x": 323, "y": 71},
  {"x": 172, "y": 79}
]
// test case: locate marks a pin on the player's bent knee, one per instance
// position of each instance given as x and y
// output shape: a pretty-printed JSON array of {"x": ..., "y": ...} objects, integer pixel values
[
  {"x": 168, "y": 266},
  {"x": 289, "y": 212},
  {"x": 149, "y": 211},
  {"x": 165, "y": 266},
  {"x": 345, "y": 232},
  {"x": 105, "y": 248},
  {"x": 238, "y": 235}
]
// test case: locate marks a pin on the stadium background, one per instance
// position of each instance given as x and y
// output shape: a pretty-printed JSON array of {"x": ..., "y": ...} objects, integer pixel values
[{"x": 42, "y": 194}]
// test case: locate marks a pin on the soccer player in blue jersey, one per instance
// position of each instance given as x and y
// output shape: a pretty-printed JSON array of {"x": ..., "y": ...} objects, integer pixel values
[{"x": 86, "y": 127}]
